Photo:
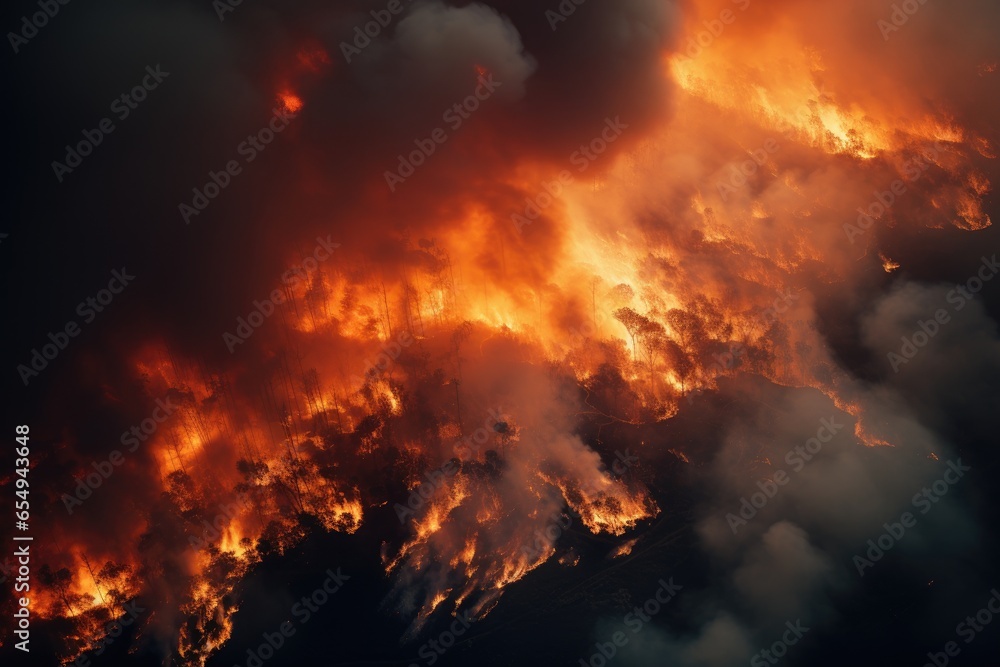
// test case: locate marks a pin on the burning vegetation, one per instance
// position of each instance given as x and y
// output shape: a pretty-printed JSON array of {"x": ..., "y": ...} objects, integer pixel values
[{"x": 445, "y": 335}]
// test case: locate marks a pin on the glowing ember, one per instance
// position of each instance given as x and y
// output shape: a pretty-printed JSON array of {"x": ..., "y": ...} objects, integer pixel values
[{"x": 290, "y": 102}]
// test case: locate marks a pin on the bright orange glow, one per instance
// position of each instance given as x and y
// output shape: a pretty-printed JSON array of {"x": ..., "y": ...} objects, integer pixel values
[{"x": 290, "y": 102}]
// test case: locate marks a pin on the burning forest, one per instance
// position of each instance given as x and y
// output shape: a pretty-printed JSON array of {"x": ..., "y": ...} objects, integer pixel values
[{"x": 649, "y": 332}]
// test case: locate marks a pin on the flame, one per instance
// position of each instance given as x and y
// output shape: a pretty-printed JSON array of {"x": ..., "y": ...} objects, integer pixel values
[
  {"x": 800, "y": 106},
  {"x": 623, "y": 549},
  {"x": 887, "y": 264},
  {"x": 289, "y": 101}
]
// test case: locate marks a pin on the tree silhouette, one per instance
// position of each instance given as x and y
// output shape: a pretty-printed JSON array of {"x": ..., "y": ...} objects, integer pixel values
[
  {"x": 689, "y": 333},
  {"x": 653, "y": 337},
  {"x": 633, "y": 323}
]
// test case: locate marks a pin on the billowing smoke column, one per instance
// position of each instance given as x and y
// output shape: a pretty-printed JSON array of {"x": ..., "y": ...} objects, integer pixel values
[{"x": 478, "y": 228}]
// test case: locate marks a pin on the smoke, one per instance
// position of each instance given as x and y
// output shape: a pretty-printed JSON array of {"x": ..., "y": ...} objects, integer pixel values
[
  {"x": 434, "y": 44},
  {"x": 797, "y": 553},
  {"x": 522, "y": 471},
  {"x": 786, "y": 522},
  {"x": 937, "y": 346}
]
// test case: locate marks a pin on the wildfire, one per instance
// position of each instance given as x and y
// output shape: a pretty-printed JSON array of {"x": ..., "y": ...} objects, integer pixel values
[
  {"x": 637, "y": 289},
  {"x": 887, "y": 264}
]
